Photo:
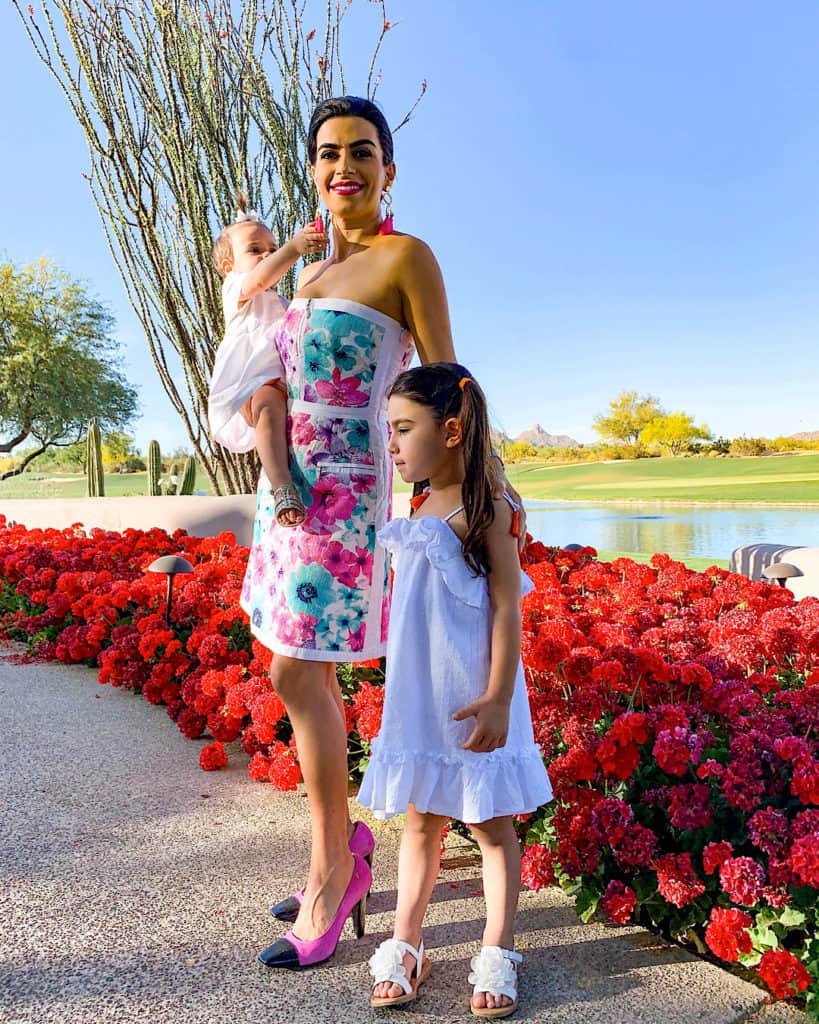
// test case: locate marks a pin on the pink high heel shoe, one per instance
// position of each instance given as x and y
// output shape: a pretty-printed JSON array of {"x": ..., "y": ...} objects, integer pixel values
[
  {"x": 294, "y": 953},
  {"x": 361, "y": 842}
]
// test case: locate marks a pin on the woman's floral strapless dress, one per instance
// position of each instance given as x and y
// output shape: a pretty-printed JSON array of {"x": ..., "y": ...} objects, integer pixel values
[{"x": 320, "y": 590}]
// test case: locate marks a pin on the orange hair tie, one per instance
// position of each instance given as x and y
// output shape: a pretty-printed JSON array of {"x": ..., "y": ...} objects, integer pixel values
[{"x": 464, "y": 381}]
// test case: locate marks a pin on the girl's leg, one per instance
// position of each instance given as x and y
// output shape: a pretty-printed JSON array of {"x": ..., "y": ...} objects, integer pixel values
[
  {"x": 269, "y": 416},
  {"x": 500, "y": 851},
  {"x": 418, "y": 863},
  {"x": 308, "y": 689}
]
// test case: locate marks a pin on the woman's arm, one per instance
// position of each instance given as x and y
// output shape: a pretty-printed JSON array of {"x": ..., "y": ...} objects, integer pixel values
[
  {"x": 426, "y": 313},
  {"x": 423, "y": 300},
  {"x": 491, "y": 711}
]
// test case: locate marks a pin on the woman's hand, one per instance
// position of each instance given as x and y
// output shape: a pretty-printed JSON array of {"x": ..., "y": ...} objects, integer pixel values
[
  {"x": 491, "y": 724},
  {"x": 309, "y": 240}
]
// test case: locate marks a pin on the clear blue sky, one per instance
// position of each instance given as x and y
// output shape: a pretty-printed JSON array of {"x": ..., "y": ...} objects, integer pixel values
[{"x": 620, "y": 196}]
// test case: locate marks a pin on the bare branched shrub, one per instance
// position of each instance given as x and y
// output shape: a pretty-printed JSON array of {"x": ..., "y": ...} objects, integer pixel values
[{"x": 181, "y": 103}]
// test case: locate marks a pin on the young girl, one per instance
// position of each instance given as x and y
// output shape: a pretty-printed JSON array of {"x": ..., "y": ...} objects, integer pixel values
[
  {"x": 247, "y": 404},
  {"x": 456, "y": 735}
]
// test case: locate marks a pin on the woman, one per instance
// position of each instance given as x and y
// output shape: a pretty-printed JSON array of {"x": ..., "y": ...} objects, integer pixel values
[{"x": 317, "y": 594}]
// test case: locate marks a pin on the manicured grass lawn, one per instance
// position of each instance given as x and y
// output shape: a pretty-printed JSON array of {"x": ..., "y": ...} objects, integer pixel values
[
  {"x": 782, "y": 478},
  {"x": 50, "y": 485},
  {"x": 700, "y": 564}
]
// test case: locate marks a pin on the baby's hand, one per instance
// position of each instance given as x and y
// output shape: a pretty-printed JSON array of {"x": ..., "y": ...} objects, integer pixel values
[
  {"x": 491, "y": 724},
  {"x": 309, "y": 240}
]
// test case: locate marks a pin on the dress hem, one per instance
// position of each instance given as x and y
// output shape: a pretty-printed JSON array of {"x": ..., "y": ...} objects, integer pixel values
[
  {"x": 475, "y": 790},
  {"x": 313, "y": 653}
]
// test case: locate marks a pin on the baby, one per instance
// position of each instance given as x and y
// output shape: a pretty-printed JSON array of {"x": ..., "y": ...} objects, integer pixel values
[{"x": 247, "y": 406}]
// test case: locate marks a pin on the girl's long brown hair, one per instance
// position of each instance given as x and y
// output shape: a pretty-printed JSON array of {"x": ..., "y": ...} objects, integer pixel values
[{"x": 448, "y": 390}]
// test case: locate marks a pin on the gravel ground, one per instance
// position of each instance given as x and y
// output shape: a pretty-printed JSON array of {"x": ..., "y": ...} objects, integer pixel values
[{"x": 136, "y": 888}]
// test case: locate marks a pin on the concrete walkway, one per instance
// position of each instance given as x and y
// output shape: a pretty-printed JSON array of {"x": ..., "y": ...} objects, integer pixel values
[{"x": 135, "y": 887}]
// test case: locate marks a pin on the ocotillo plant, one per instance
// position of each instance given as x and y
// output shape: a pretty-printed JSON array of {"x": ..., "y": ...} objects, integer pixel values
[
  {"x": 154, "y": 469},
  {"x": 188, "y": 476},
  {"x": 181, "y": 104},
  {"x": 93, "y": 461}
]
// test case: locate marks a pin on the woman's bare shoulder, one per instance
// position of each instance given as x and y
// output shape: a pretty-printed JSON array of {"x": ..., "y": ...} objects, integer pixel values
[{"x": 306, "y": 275}]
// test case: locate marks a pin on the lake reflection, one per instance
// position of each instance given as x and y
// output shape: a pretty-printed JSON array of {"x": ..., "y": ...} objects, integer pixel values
[{"x": 685, "y": 531}]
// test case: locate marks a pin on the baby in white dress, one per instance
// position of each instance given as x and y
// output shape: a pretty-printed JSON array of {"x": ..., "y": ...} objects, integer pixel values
[{"x": 247, "y": 406}]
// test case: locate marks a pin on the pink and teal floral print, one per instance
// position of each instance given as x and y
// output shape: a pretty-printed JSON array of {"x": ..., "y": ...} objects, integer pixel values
[{"x": 321, "y": 590}]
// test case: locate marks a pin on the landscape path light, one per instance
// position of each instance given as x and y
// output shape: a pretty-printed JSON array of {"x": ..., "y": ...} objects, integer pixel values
[
  {"x": 171, "y": 565},
  {"x": 780, "y": 571}
]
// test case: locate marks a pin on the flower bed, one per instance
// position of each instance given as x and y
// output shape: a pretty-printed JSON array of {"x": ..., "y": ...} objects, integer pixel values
[{"x": 678, "y": 713}]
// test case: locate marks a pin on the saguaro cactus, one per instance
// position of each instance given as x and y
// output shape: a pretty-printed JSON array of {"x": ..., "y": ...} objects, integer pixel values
[
  {"x": 188, "y": 476},
  {"x": 93, "y": 461},
  {"x": 154, "y": 469}
]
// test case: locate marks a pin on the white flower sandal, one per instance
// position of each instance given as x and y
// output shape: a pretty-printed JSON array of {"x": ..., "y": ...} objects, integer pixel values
[
  {"x": 387, "y": 965},
  {"x": 495, "y": 971}
]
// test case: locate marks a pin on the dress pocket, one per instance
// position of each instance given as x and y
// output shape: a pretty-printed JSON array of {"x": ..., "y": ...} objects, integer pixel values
[{"x": 329, "y": 466}]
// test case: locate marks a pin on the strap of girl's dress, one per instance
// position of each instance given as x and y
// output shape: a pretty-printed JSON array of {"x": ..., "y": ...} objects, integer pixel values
[{"x": 453, "y": 513}]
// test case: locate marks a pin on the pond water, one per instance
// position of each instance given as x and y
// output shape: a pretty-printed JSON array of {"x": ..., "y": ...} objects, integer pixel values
[{"x": 684, "y": 531}]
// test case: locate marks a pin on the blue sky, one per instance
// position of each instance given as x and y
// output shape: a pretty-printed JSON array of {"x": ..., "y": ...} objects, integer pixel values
[{"x": 621, "y": 195}]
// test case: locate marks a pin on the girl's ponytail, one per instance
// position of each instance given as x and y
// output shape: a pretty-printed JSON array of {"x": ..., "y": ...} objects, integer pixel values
[{"x": 477, "y": 486}]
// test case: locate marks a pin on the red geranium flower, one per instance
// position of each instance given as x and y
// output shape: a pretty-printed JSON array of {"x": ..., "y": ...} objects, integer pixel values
[
  {"x": 619, "y": 901},
  {"x": 212, "y": 757},
  {"x": 727, "y": 933},
  {"x": 784, "y": 975},
  {"x": 743, "y": 879},
  {"x": 677, "y": 881}
]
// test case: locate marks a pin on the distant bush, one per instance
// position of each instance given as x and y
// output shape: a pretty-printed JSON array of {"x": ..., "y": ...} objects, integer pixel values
[{"x": 749, "y": 446}]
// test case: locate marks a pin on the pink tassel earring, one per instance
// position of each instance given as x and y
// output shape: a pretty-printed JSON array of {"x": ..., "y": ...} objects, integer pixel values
[{"x": 388, "y": 223}]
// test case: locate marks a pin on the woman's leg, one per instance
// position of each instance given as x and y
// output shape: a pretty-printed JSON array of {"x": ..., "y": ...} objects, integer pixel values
[
  {"x": 340, "y": 703},
  {"x": 418, "y": 863},
  {"x": 500, "y": 851},
  {"x": 309, "y": 691}
]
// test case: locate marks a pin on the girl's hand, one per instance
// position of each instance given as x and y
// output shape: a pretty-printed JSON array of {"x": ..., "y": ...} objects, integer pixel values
[
  {"x": 308, "y": 240},
  {"x": 491, "y": 724}
]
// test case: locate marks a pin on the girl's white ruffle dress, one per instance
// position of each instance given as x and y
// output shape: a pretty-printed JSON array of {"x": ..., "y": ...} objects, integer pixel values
[{"x": 438, "y": 657}]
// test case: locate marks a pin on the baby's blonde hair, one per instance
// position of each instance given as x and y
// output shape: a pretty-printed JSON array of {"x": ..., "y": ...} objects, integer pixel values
[{"x": 223, "y": 246}]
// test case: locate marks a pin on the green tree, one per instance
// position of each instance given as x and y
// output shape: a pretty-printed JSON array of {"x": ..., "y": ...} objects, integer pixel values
[
  {"x": 57, "y": 360},
  {"x": 675, "y": 431},
  {"x": 628, "y": 414},
  {"x": 514, "y": 450},
  {"x": 181, "y": 103},
  {"x": 117, "y": 449}
]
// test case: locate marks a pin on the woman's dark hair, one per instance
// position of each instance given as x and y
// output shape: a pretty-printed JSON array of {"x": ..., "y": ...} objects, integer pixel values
[
  {"x": 448, "y": 390},
  {"x": 349, "y": 106}
]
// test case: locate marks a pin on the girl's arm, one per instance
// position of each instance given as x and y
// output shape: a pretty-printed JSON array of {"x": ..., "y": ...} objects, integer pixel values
[
  {"x": 275, "y": 265},
  {"x": 491, "y": 711}
]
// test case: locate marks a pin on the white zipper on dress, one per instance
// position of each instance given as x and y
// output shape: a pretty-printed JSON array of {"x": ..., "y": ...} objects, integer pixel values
[{"x": 300, "y": 353}]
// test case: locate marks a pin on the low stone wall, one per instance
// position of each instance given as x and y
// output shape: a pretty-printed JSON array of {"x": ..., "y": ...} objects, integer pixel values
[{"x": 199, "y": 516}]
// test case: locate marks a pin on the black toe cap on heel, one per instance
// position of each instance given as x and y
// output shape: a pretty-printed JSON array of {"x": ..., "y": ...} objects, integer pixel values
[
  {"x": 281, "y": 954},
  {"x": 286, "y": 909}
]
